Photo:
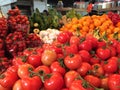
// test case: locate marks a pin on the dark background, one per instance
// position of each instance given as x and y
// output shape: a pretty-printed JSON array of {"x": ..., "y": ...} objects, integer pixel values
[{"x": 67, "y": 3}]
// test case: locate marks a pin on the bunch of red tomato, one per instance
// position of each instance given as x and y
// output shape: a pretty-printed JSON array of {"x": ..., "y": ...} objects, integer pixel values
[
  {"x": 18, "y": 22},
  {"x": 69, "y": 63},
  {"x": 3, "y": 27}
]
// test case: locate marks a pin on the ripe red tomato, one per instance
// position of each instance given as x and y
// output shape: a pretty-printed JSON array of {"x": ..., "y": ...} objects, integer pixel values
[
  {"x": 72, "y": 49},
  {"x": 103, "y": 53},
  {"x": 104, "y": 83},
  {"x": 93, "y": 80},
  {"x": 114, "y": 82},
  {"x": 56, "y": 67},
  {"x": 111, "y": 65},
  {"x": 77, "y": 85},
  {"x": 19, "y": 60},
  {"x": 28, "y": 83},
  {"x": 55, "y": 82},
  {"x": 34, "y": 60},
  {"x": 63, "y": 37},
  {"x": 85, "y": 55},
  {"x": 24, "y": 70},
  {"x": 69, "y": 77},
  {"x": 74, "y": 40},
  {"x": 48, "y": 57},
  {"x": 3, "y": 88},
  {"x": 28, "y": 51},
  {"x": 73, "y": 61},
  {"x": 94, "y": 60},
  {"x": 101, "y": 44},
  {"x": 85, "y": 45},
  {"x": 42, "y": 69},
  {"x": 84, "y": 68},
  {"x": 9, "y": 77},
  {"x": 97, "y": 70}
]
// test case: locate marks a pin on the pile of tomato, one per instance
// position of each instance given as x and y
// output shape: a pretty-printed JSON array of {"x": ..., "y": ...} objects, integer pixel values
[{"x": 69, "y": 63}]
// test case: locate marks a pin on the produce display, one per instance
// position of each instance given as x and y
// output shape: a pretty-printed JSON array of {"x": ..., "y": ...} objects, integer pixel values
[
  {"x": 82, "y": 54},
  {"x": 99, "y": 26}
]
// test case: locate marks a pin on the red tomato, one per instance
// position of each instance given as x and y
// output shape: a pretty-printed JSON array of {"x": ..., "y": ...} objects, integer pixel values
[
  {"x": 111, "y": 65},
  {"x": 77, "y": 85},
  {"x": 33, "y": 83},
  {"x": 93, "y": 40},
  {"x": 74, "y": 40},
  {"x": 43, "y": 69},
  {"x": 34, "y": 60},
  {"x": 28, "y": 83},
  {"x": 65, "y": 89},
  {"x": 104, "y": 83},
  {"x": 97, "y": 70},
  {"x": 69, "y": 77},
  {"x": 114, "y": 82},
  {"x": 118, "y": 48},
  {"x": 56, "y": 67},
  {"x": 93, "y": 80},
  {"x": 72, "y": 49},
  {"x": 103, "y": 53},
  {"x": 113, "y": 51},
  {"x": 28, "y": 51},
  {"x": 94, "y": 60},
  {"x": 73, "y": 61},
  {"x": 24, "y": 70},
  {"x": 55, "y": 82},
  {"x": 9, "y": 77},
  {"x": 48, "y": 57},
  {"x": 84, "y": 68},
  {"x": 39, "y": 50},
  {"x": 85, "y": 55},
  {"x": 85, "y": 45},
  {"x": 19, "y": 60},
  {"x": 17, "y": 85},
  {"x": 3, "y": 88},
  {"x": 101, "y": 44},
  {"x": 63, "y": 37}
]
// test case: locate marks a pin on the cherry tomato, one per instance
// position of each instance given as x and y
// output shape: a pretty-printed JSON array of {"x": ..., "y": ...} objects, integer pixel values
[
  {"x": 114, "y": 82},
  {"x": 24, "y": 70},
  {"x": 73, "y": 61},
  {"x": 94, "y": 60},
  {"x": 55, "y": 82},
  {"x": 69, "y": 77},
  {"x": 48, "y": 57}
]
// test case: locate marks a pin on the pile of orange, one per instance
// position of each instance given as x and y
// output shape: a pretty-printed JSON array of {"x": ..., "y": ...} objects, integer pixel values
[{"x": 92, "y": 24}]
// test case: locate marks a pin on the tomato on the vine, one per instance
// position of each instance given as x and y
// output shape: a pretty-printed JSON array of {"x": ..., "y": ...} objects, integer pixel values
[{"x": 25, "y": 70}]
